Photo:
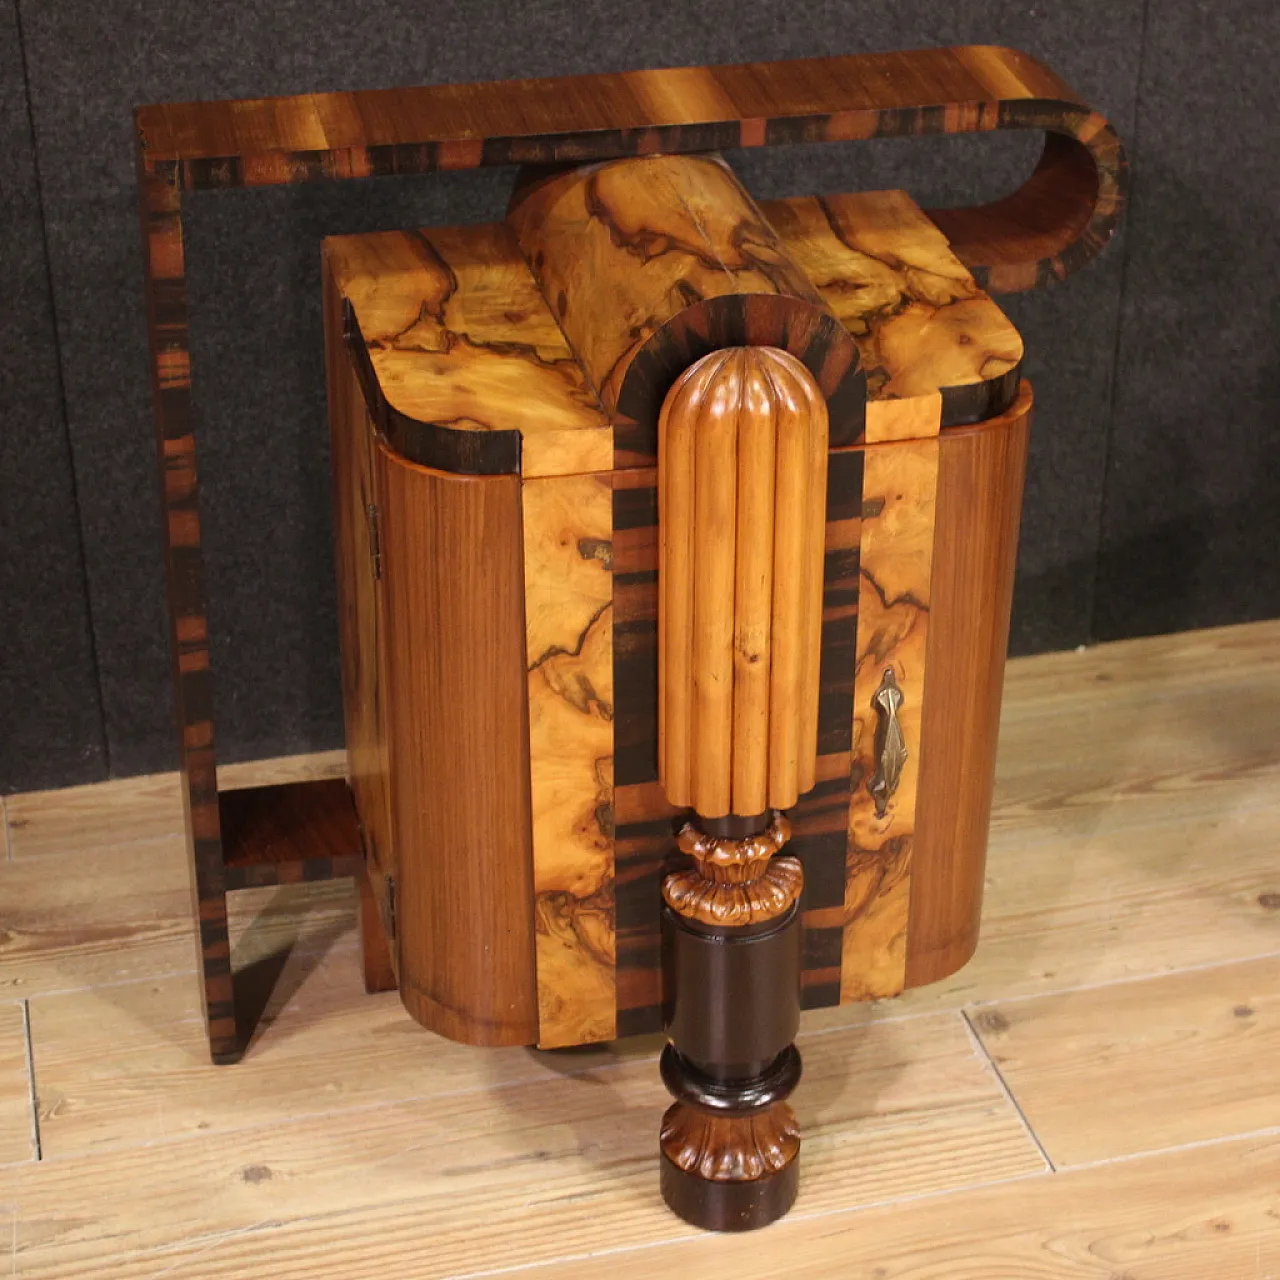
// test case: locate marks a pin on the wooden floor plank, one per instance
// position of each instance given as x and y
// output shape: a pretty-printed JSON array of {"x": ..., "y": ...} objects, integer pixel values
[
  {"x": 127, "y": 1064},
  {"x": 128, "y": 810},
  {"x": 16, "y": 1129},
  {"x": 1131, "y": 948},
  {"x": 1210, "y": 1213},
  {"x": 501, "y": 1176},
  {"x": 1143, "y": 1065},
  {"x": 1108, "y": 675},
  {"x": 1116, "y": 767},
  {"x": 123, "y": 912},
  {"x": 1092, "y": 907}
]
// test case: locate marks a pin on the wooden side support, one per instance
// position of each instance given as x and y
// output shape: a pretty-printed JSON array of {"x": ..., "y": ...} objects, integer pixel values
[{"x": 742, "y": 480}]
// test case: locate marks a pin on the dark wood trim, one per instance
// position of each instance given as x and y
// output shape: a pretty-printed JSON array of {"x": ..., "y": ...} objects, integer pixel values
[
  {"x": 430, "y": 444},
  {"x": 1059, "y": 220},
  {"x": 289, "y": 833}
]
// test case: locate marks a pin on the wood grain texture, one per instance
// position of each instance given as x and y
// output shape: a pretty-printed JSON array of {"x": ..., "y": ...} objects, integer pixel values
[
  {"x": 447, "y": 1186},
  {"x": 17, "y": 1115},
  {"x": 646, "y": 823},
  {"x": 568, "y": 610},
  {"x": 1060, "y": 220},
  {"x": 651, "y": 263},
  {"x": 361, "y": 630},
  {"x": 1175, "y": 1216},
  {"x": 1057, "y": 222},
  {"x": 166, "y": 297},
  {"x": 288, "y": 833},
  {"x": 461, "y": 829},
  {"x": 978, "y": 508},
  {"x": 465, "y": 367},
  {"x": 1127, "y": 843},
  {"x": 378, "y": 959},
  {"x": 123, "y": 1065},
  {"x": 920, "y": 320},
  {"x": 468, "y": 370},
  {"x": 899, "y": 491},
  {"x": 742, "y": 481},
  {"x": 1140, "y": 1065}
]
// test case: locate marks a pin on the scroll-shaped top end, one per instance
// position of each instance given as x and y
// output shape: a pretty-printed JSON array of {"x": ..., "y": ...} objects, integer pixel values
[{"x": 742, "y": 475}]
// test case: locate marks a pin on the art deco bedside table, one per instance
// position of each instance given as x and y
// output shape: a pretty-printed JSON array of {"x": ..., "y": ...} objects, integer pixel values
[{"x": 675, "y": 547}]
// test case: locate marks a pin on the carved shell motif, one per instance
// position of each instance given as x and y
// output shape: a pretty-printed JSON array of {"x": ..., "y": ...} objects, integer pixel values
[{"x": 730, "y": 1148}]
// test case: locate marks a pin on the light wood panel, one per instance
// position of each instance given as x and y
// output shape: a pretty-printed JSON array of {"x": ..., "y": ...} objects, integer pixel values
[
  {"x": 463, "y": 905},
  {"x": 898, "y": 1109},
  {"x": 16, "y": 1116},
  {"x": 971, "y": 592},
  {"x": 568, "y": 603},
  {"x": 1192, "y": 1215},
  {"x": 1141, "y": 1065},
  {"x": 460, "y": 339},
  {"x": 895, "y": 566}
]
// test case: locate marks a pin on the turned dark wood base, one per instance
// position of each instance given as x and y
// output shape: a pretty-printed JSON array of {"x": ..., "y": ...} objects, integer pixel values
[
  {"x": 730, "y": 1144},
  {"x": 729, "y": 1206}
]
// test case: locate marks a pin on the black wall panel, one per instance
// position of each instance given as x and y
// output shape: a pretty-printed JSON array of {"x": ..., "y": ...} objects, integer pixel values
[
  {"x": 1192, "y": 530},
  {"x": 50, "y": 717},
  {"x": 256, "y": 341}
]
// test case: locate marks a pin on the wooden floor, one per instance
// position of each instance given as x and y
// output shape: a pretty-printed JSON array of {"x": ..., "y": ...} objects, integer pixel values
[{"x": 1096, "y": 1095}]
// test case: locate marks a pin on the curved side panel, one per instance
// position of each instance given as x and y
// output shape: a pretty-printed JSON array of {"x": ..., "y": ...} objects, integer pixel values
[
  {"x": 979, "y": 508},
  {"x": 457, "y": 737}
]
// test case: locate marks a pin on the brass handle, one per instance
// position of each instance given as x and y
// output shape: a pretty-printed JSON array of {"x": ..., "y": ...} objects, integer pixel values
[{"x": 891, "y": 744}]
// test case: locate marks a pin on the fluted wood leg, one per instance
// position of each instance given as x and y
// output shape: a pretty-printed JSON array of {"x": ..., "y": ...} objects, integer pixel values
[{"x": 742, "y": 500}]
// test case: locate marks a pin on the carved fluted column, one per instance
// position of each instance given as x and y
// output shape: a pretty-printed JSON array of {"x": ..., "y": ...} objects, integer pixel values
[{"x": 742, "y": 467}]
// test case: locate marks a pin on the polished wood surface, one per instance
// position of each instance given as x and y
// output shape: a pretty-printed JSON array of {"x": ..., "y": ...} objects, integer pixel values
[
  {"x": 1061, "y": 218},
  {"x": 291, "y": 832},
  {"x": 1132, "y": 859},
  {"x": 733, "y": 883},
  {"x": 646, "y": 824},
  {"x": 1058, "y": 221},
  {"x": 361, "y": 629},
  {"x": 568, "y": 612},
  {"x": 742, "y": 487},
  {"x": 921, "y": 321},
  {"x": 457, "y": 745},
  {"x": 895, "y": 565},
  {"x": 978, "y": 510},
  {"x": 466, "y": 364},
  {"x": 602, "y": 827},
  {"x": 650, "y": 263},
  {"x": 466, "y": 368}
]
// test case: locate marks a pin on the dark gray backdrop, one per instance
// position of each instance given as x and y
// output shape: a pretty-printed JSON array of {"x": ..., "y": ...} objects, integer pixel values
[{"x": 1153, "y": 501}]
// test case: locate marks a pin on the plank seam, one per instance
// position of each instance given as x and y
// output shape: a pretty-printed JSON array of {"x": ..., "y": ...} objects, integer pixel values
[
  {"x": 1204, "y": 967},
  {"x": 33, "y": 1097},
  {"x": 981, "y": 1050},
  {"x": 888, "y": 1202},
  {"x": 1272, "y": 1131}
]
